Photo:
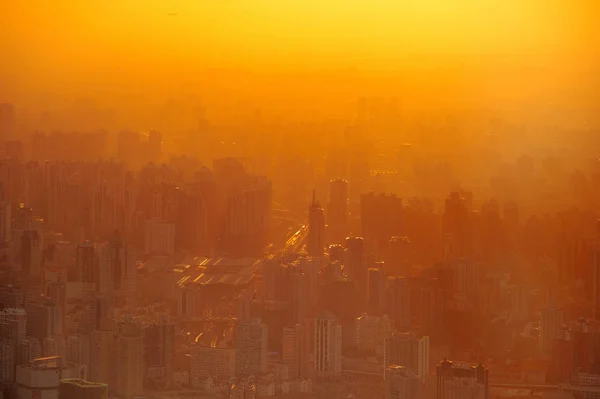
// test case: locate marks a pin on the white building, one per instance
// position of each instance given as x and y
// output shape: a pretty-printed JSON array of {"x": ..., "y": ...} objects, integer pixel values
[{"x": 328, "y": 346}]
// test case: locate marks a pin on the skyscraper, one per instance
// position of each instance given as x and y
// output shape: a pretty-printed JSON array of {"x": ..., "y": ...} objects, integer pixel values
[
  {"x": 551, "y": 319},
  {"x": 316, "y": 229},
  {"x": 87, "y": 268},
  {"x": 328, "y": 346},
  {"x": 381, "y": 218},
  {"x": 376, "y": 289},
  {"x": 456, "y": 227},
  {"x": 354, "y": 262},
  {"x": 129, "y": 360},
  {"x": 117, "y": 276},
  {"x": 296, "y": 349},
  {"x": 406, "y": 349},
  {"x": 251, "y": 348}
]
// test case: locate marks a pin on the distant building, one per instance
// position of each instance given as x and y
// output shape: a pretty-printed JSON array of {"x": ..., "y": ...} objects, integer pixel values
[
  {"x": 355, "y": 264},
  {"x": 316, "y": 229},
  {"x": 372, "y": 332},
  {"x": 456, "y": 226},
  {"x": 102, "y": 356},
  {"x": 376, "y": 289},
  {"x": 410, "y": 351},
  {"x": 117, "y": 276},
  {"x": 159, "y": 238},
  {"x": 295, "y": 350},
  {"x": 550, "y": 320},
  {"x": 459, "y": 380},
  {"x": 129, "y": 360},
  {"x": 251, "y": 348},
  {"x": 400, "y": 383},
  {"x": 218, "y": 363},
  {"x": 328, "y": 346},
  {"x": 381, "y": 218}
]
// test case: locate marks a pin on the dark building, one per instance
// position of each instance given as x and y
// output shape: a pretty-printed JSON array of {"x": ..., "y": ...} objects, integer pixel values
[
  {"x": 316, "y": 229},
  {"x": 381, "y": 218},
  {"x": 456, "y": 227}
]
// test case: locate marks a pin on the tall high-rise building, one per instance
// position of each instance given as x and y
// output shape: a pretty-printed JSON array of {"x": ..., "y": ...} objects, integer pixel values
[
  {"x": 72, "y": 388},
  {"x": 551, "y": 319},
  {"x": 31, "y": 253},
  {"x": 310, "y": 267},
  {"x": 381, "y": 218},
  {"x": 117, "y": 274},
  {"x": 251, "y": 348},
  {"x": 328, "y": 346},
  {"x": 456, "y": 227},
  {"x": 410, "y": 351},
  {"x": 129, "y": 360},
  {"x": 398, "y": 301},
  {"x": 355, "y": 264},
  {"x": 5, "y": 219},
  {"x": 458, "y": 380},
  {"x": 296, "y": 349},
  {"x": 372, "y": 332},
  {"x": 376, "y": 289},
  {"x": 159, "y": 348},
  {"x": 400, "y": 383},
  {"x": 8, "y": 361},
  {"x": 337, "y": 210},
  {"x": 13, "y": 327},
  {"x": 44, "y": 320},
  {"x": 78, "y": 347},
  {"x": 29, "y": 348},
  {"x": 87, "y": 268},
  {"x": 102, "y": 356},
  {"x": 316, "y": 229}
]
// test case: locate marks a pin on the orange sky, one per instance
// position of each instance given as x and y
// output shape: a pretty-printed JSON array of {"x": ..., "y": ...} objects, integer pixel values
[{"x": 79, "y": 46}]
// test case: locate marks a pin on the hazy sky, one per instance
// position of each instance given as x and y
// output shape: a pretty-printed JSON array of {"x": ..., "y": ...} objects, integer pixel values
[{"x": 127, "y": 47}]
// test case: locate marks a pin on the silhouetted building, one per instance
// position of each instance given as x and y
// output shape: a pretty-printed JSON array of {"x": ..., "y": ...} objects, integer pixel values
[
  {"x": 316, "y": 229},
  {"x": 328, "y": 346},
  {"x": 381, "y": 218}
]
